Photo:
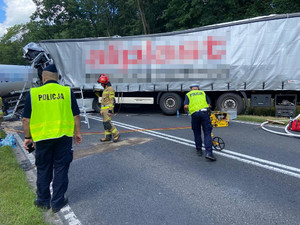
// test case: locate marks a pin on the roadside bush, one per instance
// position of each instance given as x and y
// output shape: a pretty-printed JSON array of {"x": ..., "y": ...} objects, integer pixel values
[
  {"x": 297, "y": 110},
  {"x": 261, "y": 111},
  {"x": 266, "y": 111}
]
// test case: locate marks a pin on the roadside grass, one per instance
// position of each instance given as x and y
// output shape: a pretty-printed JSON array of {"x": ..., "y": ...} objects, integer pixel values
[
  {"x": 261, "y": 119},
  {"x": 2, "y": 134},
  {"x": 16, "y": 196}
]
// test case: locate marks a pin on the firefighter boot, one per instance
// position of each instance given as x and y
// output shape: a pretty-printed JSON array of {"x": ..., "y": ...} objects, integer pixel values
[
  {"x": 116, "y": 138},
  {"x": 106, "y": 138}
]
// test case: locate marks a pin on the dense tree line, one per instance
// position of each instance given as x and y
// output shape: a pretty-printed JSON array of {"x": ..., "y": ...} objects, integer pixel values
[{"x": 57, "y": 19}]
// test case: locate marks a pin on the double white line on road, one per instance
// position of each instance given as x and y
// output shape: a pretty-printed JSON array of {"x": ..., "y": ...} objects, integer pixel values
[{"x": 277, "y": 167}]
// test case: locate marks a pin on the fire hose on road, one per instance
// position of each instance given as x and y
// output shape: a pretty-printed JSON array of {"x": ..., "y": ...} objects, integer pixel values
[{"x": 287, "y": 132}]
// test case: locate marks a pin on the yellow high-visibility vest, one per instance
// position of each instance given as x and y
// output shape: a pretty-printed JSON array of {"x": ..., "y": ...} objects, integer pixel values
[
  {"x": 51, "y": 115},
  {"x": 197, "y": 101}
]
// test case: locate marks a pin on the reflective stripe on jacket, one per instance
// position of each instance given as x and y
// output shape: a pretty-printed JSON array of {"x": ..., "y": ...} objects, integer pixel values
[
  {"x": 51, "y": 115},
  {"x": 197, "y": 100}
]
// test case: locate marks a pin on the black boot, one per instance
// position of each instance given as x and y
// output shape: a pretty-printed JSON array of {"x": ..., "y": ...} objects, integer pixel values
[
  {"x": 210, "y": 157},
  {"x": 199, "y": 152}
]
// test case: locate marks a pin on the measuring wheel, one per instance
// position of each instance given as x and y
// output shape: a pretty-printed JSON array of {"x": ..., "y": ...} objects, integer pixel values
[{"x": 218, "y": 143}]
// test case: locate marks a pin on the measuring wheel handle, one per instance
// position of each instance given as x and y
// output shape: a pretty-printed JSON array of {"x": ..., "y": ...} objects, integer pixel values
[{"x": 218, "y": 143}]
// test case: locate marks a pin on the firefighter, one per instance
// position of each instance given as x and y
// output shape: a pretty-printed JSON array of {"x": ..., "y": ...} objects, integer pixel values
[
  {"x": 196, "y": 102},
  {"x": 1, "y": 111},
  {"x": 107, "y": 109}
]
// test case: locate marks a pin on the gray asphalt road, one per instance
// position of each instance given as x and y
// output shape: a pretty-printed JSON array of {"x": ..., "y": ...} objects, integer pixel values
[{"x": 155, "y": 178}]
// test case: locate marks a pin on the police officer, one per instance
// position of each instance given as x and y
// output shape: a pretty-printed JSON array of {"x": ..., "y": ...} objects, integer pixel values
[
  {"x": 107, "y": 107},
  {"x": 1, "y": 111},
  {"x": 50, "y": 116},
  {"x": 196, "y": 102}
]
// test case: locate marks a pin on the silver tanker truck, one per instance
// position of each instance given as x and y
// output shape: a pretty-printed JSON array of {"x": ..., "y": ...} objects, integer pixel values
[{"x": 15, "y": 80}]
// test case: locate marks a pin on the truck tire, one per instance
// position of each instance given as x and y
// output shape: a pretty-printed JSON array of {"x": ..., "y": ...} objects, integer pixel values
[
  {"x": 170, "y": 103},
  {"x": 230, "y": 101},
  {"x": 96, "y": 105}
]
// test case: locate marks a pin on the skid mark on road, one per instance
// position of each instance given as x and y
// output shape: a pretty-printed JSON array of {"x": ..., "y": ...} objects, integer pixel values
[{"x": 109, "y": 147}]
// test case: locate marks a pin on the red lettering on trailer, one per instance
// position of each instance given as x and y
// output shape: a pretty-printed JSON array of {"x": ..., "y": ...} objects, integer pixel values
[
  {"x": 113, "y": 55},
  {"x": 158, "y": 54},
  {"x": 210, "y": 47}
]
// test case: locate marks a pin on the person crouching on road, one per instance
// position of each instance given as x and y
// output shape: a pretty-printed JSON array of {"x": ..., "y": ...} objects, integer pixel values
[
  {"x": 196, "y": 102},
  {"x": 50, "y": 116},
  {"x": 107, "y": 108}
]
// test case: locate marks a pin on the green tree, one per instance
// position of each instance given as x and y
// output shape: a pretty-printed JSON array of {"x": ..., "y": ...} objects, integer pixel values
[
  {"x": 266, "y": 7},
  {"x": 11, "y": 46},
  {"x": 137, "y": 17},
  {"x": 182, "y": 14},
  {"x": 77, "y": 19},
  {"x": 96, "y": 18}
]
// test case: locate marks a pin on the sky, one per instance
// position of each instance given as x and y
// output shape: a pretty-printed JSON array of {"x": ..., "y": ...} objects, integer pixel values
[{"x": 13, "y": 12}]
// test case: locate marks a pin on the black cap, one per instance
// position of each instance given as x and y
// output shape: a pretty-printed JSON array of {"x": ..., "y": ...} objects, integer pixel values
[{"x": 50, "y": 68}]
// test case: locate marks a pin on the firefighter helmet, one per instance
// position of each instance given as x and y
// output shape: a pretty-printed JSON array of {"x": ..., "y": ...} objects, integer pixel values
[{"x": 103, "y": 79}]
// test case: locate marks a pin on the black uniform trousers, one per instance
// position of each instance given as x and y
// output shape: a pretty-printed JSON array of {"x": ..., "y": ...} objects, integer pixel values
[
  {"x": 52, "y": 159},
  {"x": 201, "y": 120}
]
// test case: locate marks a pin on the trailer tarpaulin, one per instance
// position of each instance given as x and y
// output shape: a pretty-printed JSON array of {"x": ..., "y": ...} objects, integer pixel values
[{"x": 253, "y": 54}]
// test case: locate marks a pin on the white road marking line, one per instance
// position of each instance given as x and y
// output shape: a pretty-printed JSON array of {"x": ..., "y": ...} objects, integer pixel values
[
  {"x": 263, "y": 161},
  {"x": 277, "y": 167},
  {"x": 230, "y": 152}
]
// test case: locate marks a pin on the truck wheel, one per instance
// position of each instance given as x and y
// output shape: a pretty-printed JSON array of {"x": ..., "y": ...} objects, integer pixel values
[
  {"x": 96, "y": 105},
  {"x": 170, "y": 103},
  {"x": 230, "y": 101}
]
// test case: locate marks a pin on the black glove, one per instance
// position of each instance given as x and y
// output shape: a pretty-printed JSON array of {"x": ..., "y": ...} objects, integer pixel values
[
  {"x": 209, "y": 111},
  {"x": 30, "y": 148}
]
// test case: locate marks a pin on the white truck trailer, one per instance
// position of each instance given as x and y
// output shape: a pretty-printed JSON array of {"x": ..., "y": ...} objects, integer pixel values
[{"x": 231, "y": 62}]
